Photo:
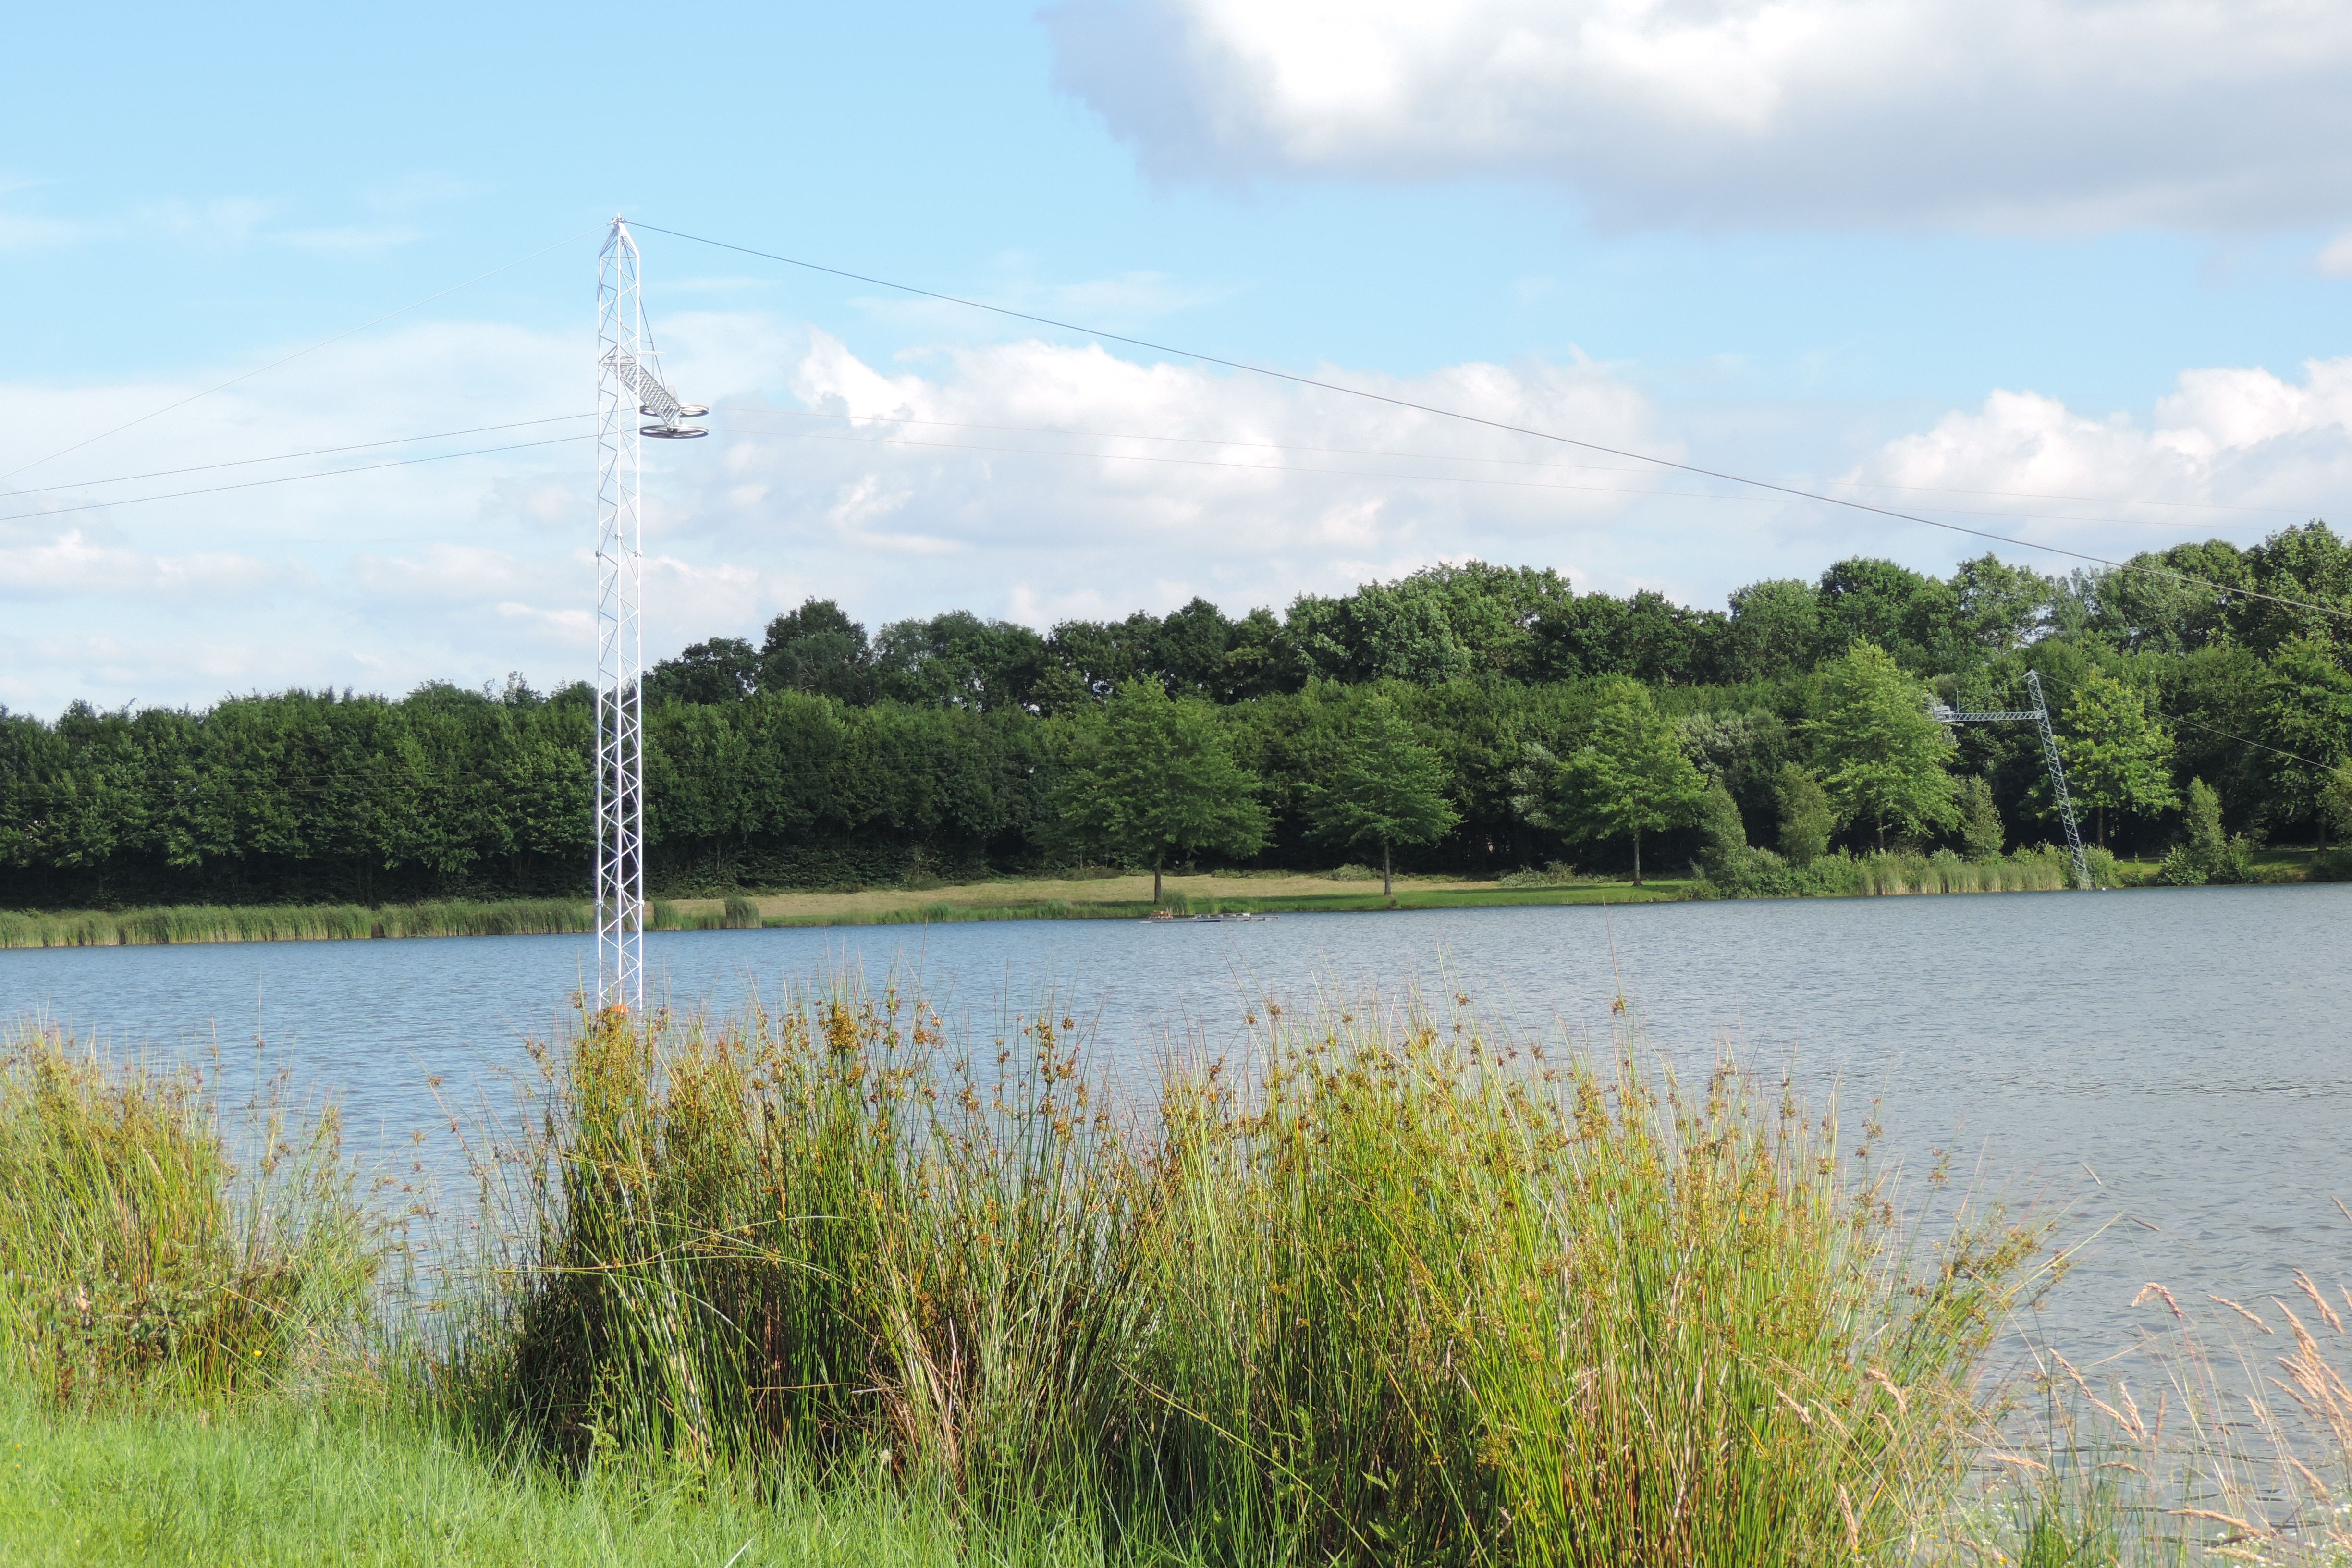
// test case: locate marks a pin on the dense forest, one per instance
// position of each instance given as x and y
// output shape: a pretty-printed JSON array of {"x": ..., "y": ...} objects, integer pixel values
[{"x": 820, "y": 756}]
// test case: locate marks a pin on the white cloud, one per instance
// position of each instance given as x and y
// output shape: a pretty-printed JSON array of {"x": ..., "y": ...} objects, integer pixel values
[
  {"x": 1016, "y": 478},
  {"x": 72, "y": 562},
  {"x": 2232, "y": 452},
  {"x": 2039, "y": 114},
  {"x": 1032, "y": 480}
]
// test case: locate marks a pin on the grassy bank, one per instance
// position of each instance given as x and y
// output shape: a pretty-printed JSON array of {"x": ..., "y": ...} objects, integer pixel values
[
  {"x": 331, "y": 923},
  {"x": 292, "y": 922},
  {"x": 831, "y": 1286},
  {"x": 1094, "y": 896},
  {"x": 272, "y": 1485}
]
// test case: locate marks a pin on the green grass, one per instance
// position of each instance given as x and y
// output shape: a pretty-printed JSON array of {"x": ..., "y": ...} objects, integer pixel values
[
  {"x": 1839, "y": 876},
  {"x": 269, "y": 1486},
  {"x": 293, "y": 922},
  {"x": 1656, "y": 890},
  {"x": 136, "y": 1252},
  {"x": 336, "y": 923}
]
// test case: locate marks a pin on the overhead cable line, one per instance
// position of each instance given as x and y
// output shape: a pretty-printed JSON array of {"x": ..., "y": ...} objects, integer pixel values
[
  {"x": 290, "y": 479},
  {"x": 288, "y": 456},
  {"x": 2296, "y": 756},
  {"x": 298, "y": 353},
  {"x": 1794, "y": 492}
]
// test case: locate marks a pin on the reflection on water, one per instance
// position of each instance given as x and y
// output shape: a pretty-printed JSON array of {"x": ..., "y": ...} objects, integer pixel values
[{"x": 2174, "y": 1062}]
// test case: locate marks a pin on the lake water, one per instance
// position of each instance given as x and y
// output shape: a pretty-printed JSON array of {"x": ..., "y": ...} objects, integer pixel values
[{"x": 2171, "y": 1064}]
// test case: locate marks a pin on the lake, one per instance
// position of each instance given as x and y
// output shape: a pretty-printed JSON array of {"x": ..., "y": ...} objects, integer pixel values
[{"x": 2171, "y": 1064}]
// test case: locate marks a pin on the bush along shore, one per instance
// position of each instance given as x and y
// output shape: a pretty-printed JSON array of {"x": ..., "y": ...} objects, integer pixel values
[{"x": 827, "y": 1285}]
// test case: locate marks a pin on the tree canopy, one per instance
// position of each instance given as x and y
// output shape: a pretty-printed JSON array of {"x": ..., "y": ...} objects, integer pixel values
[
  {"x": 1880, "y": 752},
  {"x": 811, "y": 753},
  {"x": 2116, "y": 755},
  {"x": 1152, "y": 782},
  {"x": 1379, "y": 785},
  {"x": 1629, "y": 776}
]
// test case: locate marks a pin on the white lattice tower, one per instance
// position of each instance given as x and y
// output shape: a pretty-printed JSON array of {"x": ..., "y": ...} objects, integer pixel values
[{"x": 620, "y": 634}]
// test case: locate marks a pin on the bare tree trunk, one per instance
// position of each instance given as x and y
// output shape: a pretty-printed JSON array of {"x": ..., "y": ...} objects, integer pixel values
[
  {"x": 1155, "y": 883},
  {"x": 1637, "y": 856},
  {"x": 1388, "y": 881}
]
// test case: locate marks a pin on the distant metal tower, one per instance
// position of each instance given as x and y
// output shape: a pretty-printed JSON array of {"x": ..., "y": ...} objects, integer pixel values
[
  {"x": 628, "y": 384},
  {"x": 2040, "y": 714}
]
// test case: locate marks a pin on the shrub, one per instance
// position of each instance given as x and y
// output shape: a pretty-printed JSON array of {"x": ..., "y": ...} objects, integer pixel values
[
  {"x": 740, "y": 914},
  {"x": 1981, "y": 833},
  {"x": 2206, "y": 853},
  {"x": 1723, "y": 836},
  {"x": 1807, "y": 818}
]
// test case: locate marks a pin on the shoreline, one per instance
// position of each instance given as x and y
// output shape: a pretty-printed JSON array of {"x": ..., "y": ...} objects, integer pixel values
[{"x": 1123, "y": 897}]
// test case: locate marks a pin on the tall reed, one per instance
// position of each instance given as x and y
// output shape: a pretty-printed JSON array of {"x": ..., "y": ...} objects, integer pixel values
[
  {"x": 2236, "y": 1448},
  {"x": 294, "y": 923},
  {"x": 137, "y": 1253},
  {"x": 1404, "y": 1291}
]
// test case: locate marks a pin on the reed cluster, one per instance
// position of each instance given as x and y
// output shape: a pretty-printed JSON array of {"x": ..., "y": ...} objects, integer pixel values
[
  {"x": 1401, "y": 1291},
  {"x": 1761, "y": 873},
  {"x": 296, "y": 923},
  {"x": 136, "y": 1252}
]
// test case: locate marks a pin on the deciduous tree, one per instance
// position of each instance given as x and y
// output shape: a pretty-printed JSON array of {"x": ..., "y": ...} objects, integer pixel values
[
  {"x": 1628, "y": 777},
  {"x": 1880, "y": 752},
  {"x": 1153, "y": 783},
  {"x": 1379, "y": 785},
  {"x": 2116, "y": 754}
]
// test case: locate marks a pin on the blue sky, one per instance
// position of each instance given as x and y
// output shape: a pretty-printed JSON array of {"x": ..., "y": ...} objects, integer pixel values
[{"x": 1892, "y": 242}]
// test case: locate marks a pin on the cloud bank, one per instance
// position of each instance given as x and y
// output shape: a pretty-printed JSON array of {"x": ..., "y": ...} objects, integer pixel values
[
  {"x": 1032, "y": 480},
  {"x": 2038, "y": 115}
]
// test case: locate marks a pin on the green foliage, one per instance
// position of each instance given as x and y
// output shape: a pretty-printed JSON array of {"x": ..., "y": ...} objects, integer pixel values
[
  {"x": 2336, "y": 801},
  {"x": 1981, "y": 834},
  {"x": 2207, "y": 852},
  {"x": 273, "y": 1484},
  {"x": 821, "y": 757},
  {"x": 818, "y": 650},
  {"x": 1379, "y": 785},
  {"x": 1807, "y": 817},
  {"x": 2306, "y": 709},
  {"x": 136, "y": 1255},
  {"x": 1153, "y": 781},
  {"x": 724, "y": 669},
  {"x": 1723, "y": 836},
  {"x": 293, "y": 922},
  {"x": 959, "y": 660},
  {"x": 1628, "y": 776},
  {"x": 1762, "y": 874},
  {"x": 1405, "y": 1295},
  {"x": 1881, "y": 754},
  {"x": 2115, "y": 754}
]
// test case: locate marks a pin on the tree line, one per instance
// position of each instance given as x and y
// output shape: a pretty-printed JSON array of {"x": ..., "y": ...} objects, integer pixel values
[{"x": 1467, "y": 717}]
